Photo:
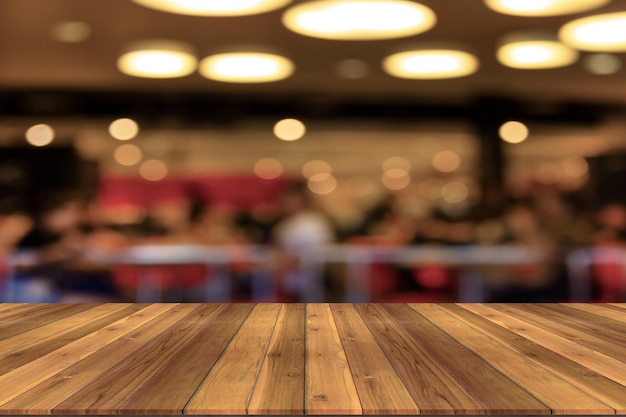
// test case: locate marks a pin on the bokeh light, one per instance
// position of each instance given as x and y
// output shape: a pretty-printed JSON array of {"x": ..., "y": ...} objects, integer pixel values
[
  {"x": 316, "y": 166},
  {"x": 322, "y": 184},
  {"x": 513, "y": 132},
  {"x": 70, "y": 31},
  {"x": 153, "y": 170},
  {"x": 575, "y": 167},
  {"x": 549, "y": 173},
  {"x": 396, "y": 179},
  {"x": 396, "y": 162},
  {"x": 455, "y": 192},
  {"x": 123, "y": 129},
  {"x": 431, "y": 188},
  {"x": 127, "y": 155},
  {"x": 353, "y": 69},
  {"x": 289, "y": 129},
  {"x": 268, "y": 168},
  {"x": 40, "y": 135},
  {"x": 602, "y": 64},
  {"x": 446, "y": 161}
]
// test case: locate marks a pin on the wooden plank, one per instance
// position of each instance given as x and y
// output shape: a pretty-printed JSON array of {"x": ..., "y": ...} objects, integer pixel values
[
  {"x": 228, "y": 387},
  {"x": 11, "y": 312},
  {"x": 44, "y": 397},
  {"x": 37, "y": 317},
  {"x": 24, "y": 378},
  {"x": 330, "y": 388},
  {"x": 559, "y": 395},
  {"x": 596, "y": 361},
  {"x": 619, "y": 305},
  {"x": 380, "y": 389},
  {"x": 188, "y": 368},
  {"x": 280, "y": 385},
  {"x": 477, "y": 376},
  {"x": 26, "y": 347},
  {"x": 544, "y": 319},
  {"x": 606, "y": 390},
  {"x": 602, "y": 310},
  {"x": 434, "y": 390},
  {"x": 111, "y": 389}
]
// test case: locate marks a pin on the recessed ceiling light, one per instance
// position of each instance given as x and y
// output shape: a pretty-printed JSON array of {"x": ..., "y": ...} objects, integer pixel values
[
  {"x": 246, "y": 67},
  {"x": 214, "y": 7},
  {"x": 431, "y": 64},
  {"x": 535, "y": 51},
  {"x": 599, "y": 33},
  {"x": 543, "y": 7},
  {"x": 359, "y": 19},
  {"x": 158, "y": 59}
]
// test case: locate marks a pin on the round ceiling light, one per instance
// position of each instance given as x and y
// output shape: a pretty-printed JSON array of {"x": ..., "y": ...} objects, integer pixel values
[
  {"x": 535, "y": 51},
  {"x": 600, "y": 33},
  {"x": 214, "y": 7},
  {"x": 359, "y": 19},
  {"x": 543, "y": 7},
  {"x": 246, "y": 67},
  {"x": 429, "y": 64},
  {"x": 158, "y": 59}
]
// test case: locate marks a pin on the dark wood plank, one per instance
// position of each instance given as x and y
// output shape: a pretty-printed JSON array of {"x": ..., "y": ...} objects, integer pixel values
[
  {"x": 111, "y": 389},
  {"x": 477, "y": 376},
  {"x": 380, "y": 389},
  {"x": 434, "y": 390},
  {"x": 228, "y": 387},
  {"x": 24, "y": 378},
  {"x": 558, "y": 394},
  {"x": 28, "y": 346},
  {"x": 330, "y": 387},
  {"x": 280, "y": 386},
  {"x": 181, "y": 376},
  {"x": 602, "y": 310}
]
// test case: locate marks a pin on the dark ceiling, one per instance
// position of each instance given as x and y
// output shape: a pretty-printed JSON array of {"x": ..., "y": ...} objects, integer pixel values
[{"x": 41, "y": 75}]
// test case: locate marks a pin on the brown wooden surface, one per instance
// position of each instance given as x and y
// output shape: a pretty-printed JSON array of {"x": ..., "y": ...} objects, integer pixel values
[{"x": 321, "y": 359}]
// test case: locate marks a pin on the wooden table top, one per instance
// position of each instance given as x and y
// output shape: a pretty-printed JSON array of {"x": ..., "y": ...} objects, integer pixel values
[{"x": 217, "y": 359}]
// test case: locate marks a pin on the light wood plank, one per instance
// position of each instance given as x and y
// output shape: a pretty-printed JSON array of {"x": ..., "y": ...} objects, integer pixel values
[
  {"x": 111, "y": 389},
  {"x": 477, "y": 376},
  {"x": 602, "y": 310},
  {"x": 330, "y": 387},
  {"x": 24, "y": 378},
  {"x": 606, "y": 390},
  {"x": 434, "y": 390},
  {"x": 44, "y": 397},
  {"x": 228, "y": 387},
  {"x": 380, "y": 389},
  {"x": 26, "y": 347},
  {"x": 598, "y": 362},
  {"x": 182, "y": 375},
  {"x": 558, "y": 394},
  {"x": 280, "y": 386}
]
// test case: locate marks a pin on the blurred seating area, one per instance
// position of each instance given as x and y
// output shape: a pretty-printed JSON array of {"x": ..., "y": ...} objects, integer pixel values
[{"x": 546, "y": 246}]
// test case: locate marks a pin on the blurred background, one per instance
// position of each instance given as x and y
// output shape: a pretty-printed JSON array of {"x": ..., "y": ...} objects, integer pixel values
[{"x": 333, "y": 150}]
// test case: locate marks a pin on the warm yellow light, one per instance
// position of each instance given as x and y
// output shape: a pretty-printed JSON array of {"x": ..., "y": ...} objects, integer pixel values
[
  {"x": 127, "y": 155},
  {"x": 153, "y": 170},
  {"x": 396, "y": 162},
  {"x": 359, "y": 19},
  {"x": 513, "y": 132},
  {"x": 575, "y": 167},
  {"x": 543, "y": 7},
  {"x": 40, "y": 135},
  {"x": 536, "y": 54},
  {"x": 314, "y": 167},
  {"x": 431, "y": 64},
  {"x": 268, "y": 168},
  {"x": 602, "y": 64},
  {"x": 158, "y": 59},
  {"x": 446, "y": 161},
  {"x": 396, "y": 179},
  {"x": 455, "y": 192},
  {"x": 246, "y": 67},
  {"x": 289, "y": 129},
  {"x": 599, "y": 33},
  {"x": 214, "y": 7},
  {"x": 123, "y": 129},
  {"x": 322, "y": 183}
]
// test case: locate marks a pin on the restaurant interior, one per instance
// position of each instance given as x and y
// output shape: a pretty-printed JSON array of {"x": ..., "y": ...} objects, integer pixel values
[{"x": 312, "y": 150}]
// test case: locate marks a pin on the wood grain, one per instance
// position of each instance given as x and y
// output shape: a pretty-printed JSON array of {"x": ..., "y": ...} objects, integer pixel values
[
  {"x": 330, "y": 388},
  {"x": 228, "y": 387},
  {"x": 312, "y": 359}
]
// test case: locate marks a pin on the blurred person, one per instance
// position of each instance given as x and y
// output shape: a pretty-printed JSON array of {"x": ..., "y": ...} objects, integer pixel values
[{"x": 299, "y": 235}]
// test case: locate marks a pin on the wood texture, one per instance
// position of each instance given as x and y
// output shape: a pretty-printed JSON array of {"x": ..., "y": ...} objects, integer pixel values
[{"x": 321, "y": 359}]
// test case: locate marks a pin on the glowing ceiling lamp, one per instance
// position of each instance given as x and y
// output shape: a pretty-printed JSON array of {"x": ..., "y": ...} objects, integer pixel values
[
  {"x": 535, "y": 51},
  {"x": 214, "y": 7},
  {"x": 599, "y": 33},
  {"x": 429, "y": 64},
  {"x": 359, "y": 19},
  {"x": 246, "y": 67},
  {"x": 543, "y": 7},
  {"x": 158, "y": 59}
]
